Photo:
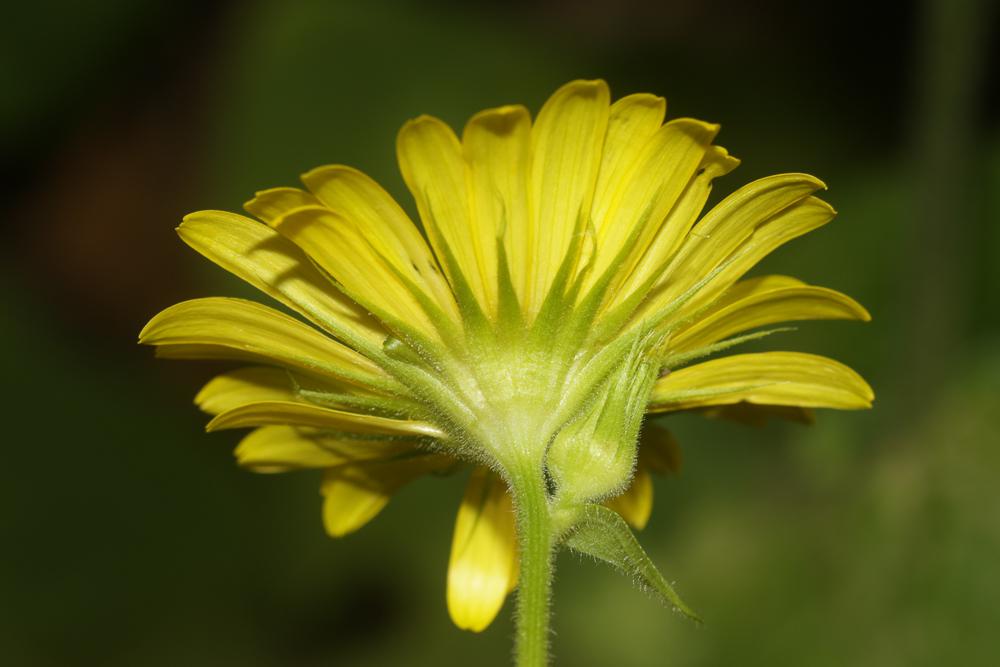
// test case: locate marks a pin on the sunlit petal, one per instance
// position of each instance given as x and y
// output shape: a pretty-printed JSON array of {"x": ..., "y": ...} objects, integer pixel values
[
  {"x": 768, "y": 378},
  {"x": 271, "y": 204},
  {"x": 248, "y": 330},
  {"x": 758, "y": 302},
  {"x": 567, "y": 142},
  {"x": 647, "y": 190},
  {"x": 432, "y": 164},
  {"x": 497, "y": 148},
  {"x": 482, "y": 567},
  {"x": 730, "y": 224},
  {"x": 246, "y": 385},
  {"x": 305, "y": 414}
]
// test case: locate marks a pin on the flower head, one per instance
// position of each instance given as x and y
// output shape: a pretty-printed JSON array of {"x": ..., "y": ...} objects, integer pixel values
[{"x": 560, "y": 286}]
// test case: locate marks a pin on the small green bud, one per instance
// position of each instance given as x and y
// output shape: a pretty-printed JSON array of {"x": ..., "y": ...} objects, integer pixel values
[{"x": 593, "y": 457}]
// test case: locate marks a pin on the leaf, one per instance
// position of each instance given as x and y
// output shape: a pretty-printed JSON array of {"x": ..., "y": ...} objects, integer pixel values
[{"x": 603, "y": 534}]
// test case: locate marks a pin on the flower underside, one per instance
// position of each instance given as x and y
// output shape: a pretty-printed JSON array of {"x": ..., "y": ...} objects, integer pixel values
[{"x": 563, "y": 285}]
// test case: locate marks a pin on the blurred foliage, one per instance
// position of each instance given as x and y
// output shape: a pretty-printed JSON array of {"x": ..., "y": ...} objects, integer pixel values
[{"x": 131, "y": 539}]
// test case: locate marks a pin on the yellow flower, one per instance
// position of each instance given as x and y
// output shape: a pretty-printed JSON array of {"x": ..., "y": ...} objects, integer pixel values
[{"x": 563, "y": 285}]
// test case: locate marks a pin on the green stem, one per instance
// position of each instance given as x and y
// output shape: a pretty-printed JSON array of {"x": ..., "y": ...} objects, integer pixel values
[{"x": 534, "y": 533}]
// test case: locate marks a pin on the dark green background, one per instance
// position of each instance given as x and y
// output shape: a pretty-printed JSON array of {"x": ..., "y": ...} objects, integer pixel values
[{"x": 129, "y": 538}]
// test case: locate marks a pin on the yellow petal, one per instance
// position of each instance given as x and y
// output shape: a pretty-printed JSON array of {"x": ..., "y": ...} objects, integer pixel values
[
  {"x": 246, "y": 385},
  {"x": 280, "y": 448},
  {"x": 497, "y": 148},
  {"x": 636, "y": 504},
  {"x": 355, "y": 259},
  {"x": 265, "y": 384},
  {"x": 357, "y": 197},
  {"x": 768, "y": 378},
  {"x": 659, "y": 450},
  {"x": 354, "y": 495},
  {"x": 483, "y": 560},
  {"x": 766, "y": 300},
  {"x": 567, "y": 142},
  {"x": 796, "y": 220},
  {"x": 716, "y": 162},
  {"x": 727, "y": 227},
  {"x": 235, "y": 328},
  {"x": 730, "y": 222},
  {"x": 269, "y": 205},
  {"x": 756, "y": 285},
  {"x": 632, "y": 121},
  {"x": 648, "y": 190},
  {"x": 351, "y": 501},
  {"x": 272, "y": 264},
  {"x": 307, "y": 414},
  {"x": 431, "y": 161}
]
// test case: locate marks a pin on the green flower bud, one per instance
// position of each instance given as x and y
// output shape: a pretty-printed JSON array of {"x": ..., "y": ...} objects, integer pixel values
[{"x": 594, "y": 456}]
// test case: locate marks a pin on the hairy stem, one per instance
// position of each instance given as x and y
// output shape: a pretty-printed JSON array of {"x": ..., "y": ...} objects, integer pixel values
[{"x": 534, "y": 533}]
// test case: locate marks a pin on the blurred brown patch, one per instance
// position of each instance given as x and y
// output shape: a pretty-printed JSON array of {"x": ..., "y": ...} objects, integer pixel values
[{"x": 97, "y": 216}]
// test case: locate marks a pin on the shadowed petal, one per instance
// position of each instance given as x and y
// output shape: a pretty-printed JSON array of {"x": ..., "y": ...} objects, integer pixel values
[
  {"x": 280, "y": 448},
  {"x": 636, "y": 503},
  {"x": 354, "y": 495},
  {"x": 257, "y": 254},
  {"x": 366, "y": 269},
  {"x": 356, "y": 196}
]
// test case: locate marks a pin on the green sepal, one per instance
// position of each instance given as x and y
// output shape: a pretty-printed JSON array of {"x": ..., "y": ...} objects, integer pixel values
[
  {"x": 586, "y": 312},
  {"x": 510, "y": 320},
  {"x": 413, "y": 337},
  {"x": 558, "y": 301},
  {"x": 675, "y": 360},
  {"x": 603, "y": 534}
]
